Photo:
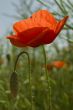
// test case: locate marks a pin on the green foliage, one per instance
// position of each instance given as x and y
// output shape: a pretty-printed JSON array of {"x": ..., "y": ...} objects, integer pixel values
[
  {"x": 61, "y": 85},
  {"x": 61, "y": 80}
]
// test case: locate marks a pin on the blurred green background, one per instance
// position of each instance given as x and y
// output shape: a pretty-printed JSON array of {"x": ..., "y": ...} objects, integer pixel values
[{"x": 61, "y": 80}]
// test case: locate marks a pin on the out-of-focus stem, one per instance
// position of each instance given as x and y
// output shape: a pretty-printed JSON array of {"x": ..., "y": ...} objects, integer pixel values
[{"x": 29, "y": 72}]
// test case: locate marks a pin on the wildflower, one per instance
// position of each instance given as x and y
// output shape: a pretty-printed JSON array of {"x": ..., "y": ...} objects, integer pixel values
[
  {"x": 41, "y": 28},
  {"x": 58, "y": 64}
]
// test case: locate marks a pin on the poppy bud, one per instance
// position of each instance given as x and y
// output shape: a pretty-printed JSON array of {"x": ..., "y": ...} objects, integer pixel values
[{"x": 14, "y": 84}]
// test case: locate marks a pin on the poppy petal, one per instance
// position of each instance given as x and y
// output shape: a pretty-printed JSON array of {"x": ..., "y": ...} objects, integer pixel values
[
  {"x": 41, "y": 18},
  {"x": 30, "y": 34},
  {"x": 15, "y": 41},
  {"x": 24, "y": 38},
  {"x": 60, "y": 25},
  {"x": 44, "y": 14},
  {"x": 46, "y": 37}
]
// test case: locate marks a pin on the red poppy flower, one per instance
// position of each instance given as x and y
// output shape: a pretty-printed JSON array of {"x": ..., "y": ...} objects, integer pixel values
[
  {"x": 58, "y": 64},
  {"x": 41, "y": 28}
]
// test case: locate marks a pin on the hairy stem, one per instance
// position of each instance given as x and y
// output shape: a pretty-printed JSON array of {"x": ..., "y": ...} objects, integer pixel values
[
  {"x": 47, "y": 78},
  {"x": 29, "y": 72}
]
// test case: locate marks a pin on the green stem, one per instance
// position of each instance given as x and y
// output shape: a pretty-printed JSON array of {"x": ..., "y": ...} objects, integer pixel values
[
  {"x": 47, "y": 78},
  {"x": 29, "y": 72},
  {"x": 61, "y": 8}
]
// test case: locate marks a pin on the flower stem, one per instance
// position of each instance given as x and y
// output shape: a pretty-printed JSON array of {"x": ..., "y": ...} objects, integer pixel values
[
  {"x": 29, "y": 73},
  {"x": 47, "y": 78}
]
